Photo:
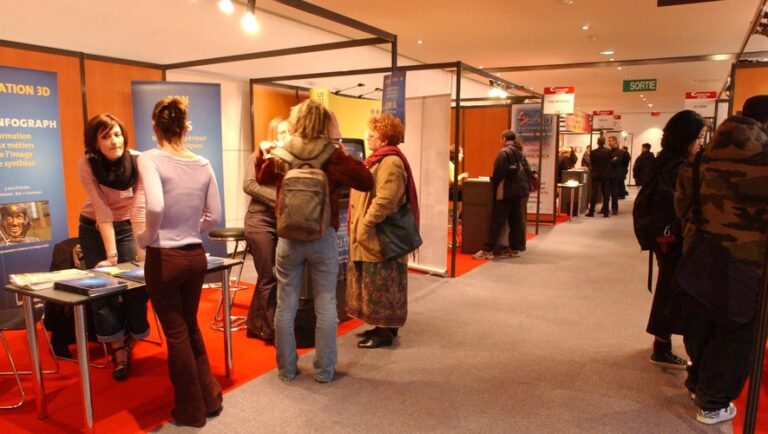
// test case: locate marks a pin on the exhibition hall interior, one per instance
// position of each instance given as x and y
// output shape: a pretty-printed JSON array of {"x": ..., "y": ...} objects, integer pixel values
[{"x": 145, "y": 136}]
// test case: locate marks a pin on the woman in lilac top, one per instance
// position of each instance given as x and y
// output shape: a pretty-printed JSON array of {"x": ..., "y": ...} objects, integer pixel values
[
  {"x": 109, "y": 174},
  {"x": 182, "y": 201}
]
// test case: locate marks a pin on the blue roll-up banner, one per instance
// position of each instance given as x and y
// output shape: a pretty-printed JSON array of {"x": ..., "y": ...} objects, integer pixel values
[
  {"x": 204, "y": 134},
  {"x": 393, "y": 100},
  {"x": 32, "y": 206}
]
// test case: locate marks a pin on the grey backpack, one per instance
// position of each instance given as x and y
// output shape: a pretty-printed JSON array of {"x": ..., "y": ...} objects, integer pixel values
[{"x": 303, "y": 208}]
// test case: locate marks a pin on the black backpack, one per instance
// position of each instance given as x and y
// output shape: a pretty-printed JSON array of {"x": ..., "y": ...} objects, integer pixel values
[{"x": 648, "y": 216}]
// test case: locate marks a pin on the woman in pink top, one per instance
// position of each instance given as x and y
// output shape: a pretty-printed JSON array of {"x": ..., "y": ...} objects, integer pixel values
[
  {"x": 109, "y": 174},
  {"x": 182, "y": 201}
]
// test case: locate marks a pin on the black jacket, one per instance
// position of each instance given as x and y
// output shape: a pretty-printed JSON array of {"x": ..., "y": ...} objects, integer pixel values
[
  {"x": 600, "y": 163},
  {"x": 643, "y": 167},
  {"x": 505, "y": 170}
]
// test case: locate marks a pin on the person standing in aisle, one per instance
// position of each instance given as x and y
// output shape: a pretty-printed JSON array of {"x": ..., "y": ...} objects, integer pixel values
[
  {"x": 261, "y": 236},
  {"x": 377, "y": 287},
  {"x": 511, "y": 182},
  {"x": 617, "y": 180},
  {"x": 733, "y": 214},
  {"x": 680, "y": 142},
  {"x": 310, "y": 138},
  {"x": 182, "y": 202},
  {"x": 643, "y": 167},
  {"x": 600, "y": 177},
  {"x": 110, "y": 215},
  {"x": 626, "y": 159}
]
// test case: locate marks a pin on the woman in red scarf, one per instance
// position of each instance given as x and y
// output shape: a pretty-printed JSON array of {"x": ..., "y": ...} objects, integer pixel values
[{"x": 377, "y": 289}]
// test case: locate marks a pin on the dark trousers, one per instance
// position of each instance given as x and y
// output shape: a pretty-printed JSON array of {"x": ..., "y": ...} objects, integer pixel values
[
  {"x": 115, "y": 316},
  {"x": 720, "y": 354},
  {"x": 617, "y": 192},
  {"x": 603, "y": 186},
  {"x": 667, "y": 316},
  {"x": 261, "y": 236},
  {"x": 513, "y": 212},
  {"x": 174, "y": 282}
]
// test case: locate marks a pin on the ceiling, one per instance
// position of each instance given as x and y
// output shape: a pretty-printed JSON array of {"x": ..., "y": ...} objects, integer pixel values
[{"x": 514, "y": 38}]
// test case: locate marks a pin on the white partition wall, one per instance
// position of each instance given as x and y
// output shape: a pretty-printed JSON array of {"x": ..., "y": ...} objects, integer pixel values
[{"x": 427, "y": 138}]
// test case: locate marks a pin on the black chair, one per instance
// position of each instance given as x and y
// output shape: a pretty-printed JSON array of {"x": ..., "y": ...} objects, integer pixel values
[{"x": 236, "y": 235}]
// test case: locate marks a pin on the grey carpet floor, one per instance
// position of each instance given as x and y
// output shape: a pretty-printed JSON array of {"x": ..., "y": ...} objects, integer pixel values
[{"x": 549, "y": 342}]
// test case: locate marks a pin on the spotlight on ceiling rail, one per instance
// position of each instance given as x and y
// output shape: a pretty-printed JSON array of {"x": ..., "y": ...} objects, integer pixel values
[{"x": 226, "y": 6}]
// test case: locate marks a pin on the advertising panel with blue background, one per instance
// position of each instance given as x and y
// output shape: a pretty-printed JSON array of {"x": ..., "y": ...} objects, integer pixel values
[
  {"x": 32, "y": 204},
  {"x": 203, "y": 136},
  {"x": 527, "y": 124},
  {"x": 393, "y": 100}
]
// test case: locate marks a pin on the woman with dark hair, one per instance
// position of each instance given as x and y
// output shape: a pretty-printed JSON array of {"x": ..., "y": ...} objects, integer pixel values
[
  {"x": 681, "y": 141},
  {"x": 377, "y": 287},
  {"x": 261, "y": 235},
  {"x": 182, "y": 201},
  {"x": 109, "y": 172}
]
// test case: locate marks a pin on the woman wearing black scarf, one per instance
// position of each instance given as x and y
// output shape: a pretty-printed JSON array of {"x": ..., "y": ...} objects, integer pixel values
[{"x": 109, "y": 174}]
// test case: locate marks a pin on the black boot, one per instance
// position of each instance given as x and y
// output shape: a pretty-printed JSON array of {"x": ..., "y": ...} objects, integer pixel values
[{"x": 382, "y": 337}]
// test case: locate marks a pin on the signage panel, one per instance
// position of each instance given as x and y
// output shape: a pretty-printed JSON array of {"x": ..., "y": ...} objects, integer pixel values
[{"x": 644, "y": 85}]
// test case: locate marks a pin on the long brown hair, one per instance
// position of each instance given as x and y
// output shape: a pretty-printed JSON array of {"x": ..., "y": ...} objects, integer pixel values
[
  {"x": 97, "y": 125},
  {"x": 170, "y": 118}
]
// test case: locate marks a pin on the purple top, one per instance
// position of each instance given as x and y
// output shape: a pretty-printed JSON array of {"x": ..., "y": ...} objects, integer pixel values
[{"x": 182, "y": 199}]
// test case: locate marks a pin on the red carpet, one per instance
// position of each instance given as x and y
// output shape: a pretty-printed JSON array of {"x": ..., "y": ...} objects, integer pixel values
[
  {"x": 145, "y": 400},
  {"x": 464, "y": 261}
]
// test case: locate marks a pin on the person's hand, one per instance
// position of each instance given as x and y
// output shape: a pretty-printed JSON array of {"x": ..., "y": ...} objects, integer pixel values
[
  {"x": 107, "y": 263},
  {"x": 141, "y": 255},
  {"x": 266, "y": 146}
]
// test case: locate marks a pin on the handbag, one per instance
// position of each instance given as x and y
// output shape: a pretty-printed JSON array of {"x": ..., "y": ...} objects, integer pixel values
[
  {"x": 398, "y": 234},
  {"x": 727, "y": 289}
]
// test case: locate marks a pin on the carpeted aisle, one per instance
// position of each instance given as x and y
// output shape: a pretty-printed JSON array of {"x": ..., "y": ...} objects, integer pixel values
[{"x": 144, "y": 401}]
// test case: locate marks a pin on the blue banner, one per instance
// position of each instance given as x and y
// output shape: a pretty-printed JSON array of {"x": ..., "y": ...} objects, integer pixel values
[
  {"x": 393, "y": 101},
  {"x": 204, "y": 133},
  {"x": 32, "y": 206}
]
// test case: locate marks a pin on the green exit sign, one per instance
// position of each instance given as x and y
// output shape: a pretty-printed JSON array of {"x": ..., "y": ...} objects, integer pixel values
[{"x": 646, "y": 85}]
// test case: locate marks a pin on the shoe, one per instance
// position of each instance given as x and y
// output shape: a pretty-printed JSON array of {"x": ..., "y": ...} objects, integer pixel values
[
  {"x": 382, "y": 338},
  {"x": 61, "y": 349},
  {"x": 120, "y": 373},
  {"x": 589, "y": 214},
  {"x": 605, "y": 215},
  {"x": 482, "y": 254},
  {"x": 669, "y": 360},
  {"x": 250, "y": 334},
  {"x": 509, "y": 253},
  {"x": 716, "y": 416},
  {"x": 214, "y": 413},
  {"x": 370, "y": 332}
]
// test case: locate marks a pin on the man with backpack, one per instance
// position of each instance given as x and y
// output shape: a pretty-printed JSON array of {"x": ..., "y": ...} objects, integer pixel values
[
  {"x": 512, "y": 180},
  {"x": 310, "y": 172}
]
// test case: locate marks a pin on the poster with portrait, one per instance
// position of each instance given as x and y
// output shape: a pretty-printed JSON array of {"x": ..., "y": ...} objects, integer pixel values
[{"x": 32, "y": 206}]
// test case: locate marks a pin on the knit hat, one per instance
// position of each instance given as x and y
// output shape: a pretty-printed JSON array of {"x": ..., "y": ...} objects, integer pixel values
[
  {"x": 681, "y": 130},
  {"x": 756, "y": 108}
]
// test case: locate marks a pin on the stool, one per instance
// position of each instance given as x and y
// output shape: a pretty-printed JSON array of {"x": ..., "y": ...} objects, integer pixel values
[{"x": 235, "y": 235}]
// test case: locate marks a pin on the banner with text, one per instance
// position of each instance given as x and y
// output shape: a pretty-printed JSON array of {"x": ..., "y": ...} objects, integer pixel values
[
  {"x": 32, "y": 206},
  {"x": 393, "y": 100},
  {"x": 602, "y": 120},
  {"x": 204, "y": 127},
  {"x": 702, "y": 103},
  {"x": 559, "y": 100},
  {"x": 527, "y": 124}
]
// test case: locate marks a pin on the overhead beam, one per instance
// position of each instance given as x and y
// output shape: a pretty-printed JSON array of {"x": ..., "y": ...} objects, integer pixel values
[
  {"x": 280, "y": 52},
  {"x": 487, "y": 74},
  {"x": 338, "y": 18}
]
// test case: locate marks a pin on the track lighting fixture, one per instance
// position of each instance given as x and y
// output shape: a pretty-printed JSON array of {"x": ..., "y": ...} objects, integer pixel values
[
  {"x": 762, "y": 25},
  {"x": 378, "y": 89},
  {"x": 226, "y": 6},
  {"x": 497, "y": 90},
  {"x": 347, "y": 88},
  {"x": 248, "y": 21}
]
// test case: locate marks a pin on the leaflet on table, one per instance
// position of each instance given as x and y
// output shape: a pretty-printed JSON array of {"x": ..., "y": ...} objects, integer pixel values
[
  {"x": 45, "y": 280},
  {"x": 135, "y": 274},
  {"x": 90, "y": 286},
  {"x": 214, "y": 261}
]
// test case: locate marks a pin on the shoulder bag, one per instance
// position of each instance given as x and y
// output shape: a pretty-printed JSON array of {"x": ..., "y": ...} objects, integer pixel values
[{"x": 398, "y": 233}]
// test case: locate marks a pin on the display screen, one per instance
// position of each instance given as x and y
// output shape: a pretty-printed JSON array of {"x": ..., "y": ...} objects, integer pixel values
[{"x": 355, "y": 148}]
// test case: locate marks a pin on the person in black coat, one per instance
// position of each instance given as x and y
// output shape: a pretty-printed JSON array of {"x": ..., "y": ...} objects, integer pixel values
[
  {"x": 600, "y": 177},
  {"x": 643, "y": 167},
  {"x": 626, "y": 158},
  {"x": 617, "y": 174}
]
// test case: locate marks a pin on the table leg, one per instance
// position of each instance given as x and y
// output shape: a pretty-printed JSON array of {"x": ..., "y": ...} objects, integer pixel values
[
  {"x": 227, "y": 322},
  {"x": 82, "y": 360},
  {"x": 34, "y": 355}
]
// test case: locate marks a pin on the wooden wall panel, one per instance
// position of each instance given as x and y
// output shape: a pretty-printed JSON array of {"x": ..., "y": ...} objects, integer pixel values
[
  {"x": 482, "y": 127},
  {"x": 108, "y": 89},
  {"x": 67, "y": 69},
  {"x": 749, "y": 81},
  {"x": 271, "y": 101}
]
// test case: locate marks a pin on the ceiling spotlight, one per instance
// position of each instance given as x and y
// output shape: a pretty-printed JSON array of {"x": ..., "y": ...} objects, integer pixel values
[
  {"x": 480, "y": 67},
  {"x": 419, "y": 42},
  {"x": 608, "y": 53},
  {"x": 226, "y": 6},
  {"x": 567, "y": 2},
  {"x": 585, "y": 27},
  {"x": 650, "y": 105},
  {"x": 642, "y": 96},
  {"x": 249, "y": 22},
  {"x": 619, "y": 68},
  {"x": 347, "y": 88},
  {"x": 611, "y": 59}
]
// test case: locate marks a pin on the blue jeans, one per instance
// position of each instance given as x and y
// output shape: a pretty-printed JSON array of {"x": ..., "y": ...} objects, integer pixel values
[
  {"x": 322, "y": 259},
  {"x": 127, "y": 312}
]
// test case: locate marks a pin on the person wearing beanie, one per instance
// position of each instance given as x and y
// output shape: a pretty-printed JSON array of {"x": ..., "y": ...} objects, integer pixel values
[
  {"x": 681, "y": 141},
  {"x": 734, "y": 215}
]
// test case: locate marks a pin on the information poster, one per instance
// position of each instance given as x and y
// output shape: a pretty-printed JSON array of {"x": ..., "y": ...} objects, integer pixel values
[
  {"x": 32, "y": 203},
  {"x": 527, "y": 124},
  {"x": 393, "y": 101},
  {"x": 559, "y": 100},
  {"x": 204, "y": 127}
]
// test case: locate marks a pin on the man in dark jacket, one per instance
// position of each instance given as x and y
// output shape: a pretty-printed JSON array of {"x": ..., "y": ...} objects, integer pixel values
[
  {"x": 600, "y": 177},
  {"x": 643, "y": 167},
  {"x": 626, "y": 158},
  {"x": 511, "y": 185}
]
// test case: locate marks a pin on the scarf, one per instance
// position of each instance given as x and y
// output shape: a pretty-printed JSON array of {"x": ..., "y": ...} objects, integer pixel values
[
  {"x": 120, "y": 174},
  {"x": 385, "y": 151}
]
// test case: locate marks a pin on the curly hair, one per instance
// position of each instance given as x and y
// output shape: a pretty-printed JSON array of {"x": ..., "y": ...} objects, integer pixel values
[
  {"x": 310, "y": 120},
  {"x": 97, "y": 125},
  {"x": 388, "y": 127},
  {"x": 170, "y": 118}
]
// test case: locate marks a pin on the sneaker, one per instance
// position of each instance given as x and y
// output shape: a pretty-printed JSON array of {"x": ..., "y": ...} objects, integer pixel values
[
  {"x": 482, "y": 254},
  {"x": 509, "y": 253},
  {"x": 669, "y": 360},
  {"x": 716, "y": 416}
]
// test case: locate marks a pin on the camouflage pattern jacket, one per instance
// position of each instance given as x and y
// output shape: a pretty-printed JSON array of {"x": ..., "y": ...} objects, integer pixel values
[{"x": 733, "y": 191}]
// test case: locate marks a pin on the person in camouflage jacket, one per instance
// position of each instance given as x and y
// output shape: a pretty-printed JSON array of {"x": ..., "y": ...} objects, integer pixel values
[{"x": 733, "y": 179}]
